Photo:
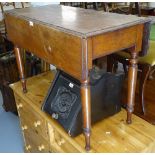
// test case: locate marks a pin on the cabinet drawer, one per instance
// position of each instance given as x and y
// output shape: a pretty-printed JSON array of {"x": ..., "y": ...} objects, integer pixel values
[
  {"x": 32, "y": 117},
  {"x": 33, "y": 138},
  {"x": 58, "y": 143},
  {"x": 35, "y": 143}
]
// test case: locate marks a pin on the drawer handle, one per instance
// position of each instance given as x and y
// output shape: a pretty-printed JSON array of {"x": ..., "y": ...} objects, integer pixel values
[
  {"x": 28, "y": 147},
  {"x": 19, "y": 106},
  {"x": 48, "y": 48},
  {"x": 41, "y": 147},
  {"x": 61, "y": 141},
  {"x": 24, "y": 127},
  {"x": 37, "y": 123}
]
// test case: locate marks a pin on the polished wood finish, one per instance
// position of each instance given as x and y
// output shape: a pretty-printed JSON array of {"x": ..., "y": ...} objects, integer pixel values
[
  {"x": 20, "y": 68},
  {"x": 144, "y": 90},
  {"x": 109, "y": 135},
  {"x": 56, "y": 17},
  {"x": 132, "y": 77},
  {"x": 117, "y": 40},
  {"x": 86, "y": 110},
  {"x": 49, "y": 46},
  {"x": 72, "y": 43},
  {"x": 149, "y": 107},
  {"x": 145, "y": 74}
]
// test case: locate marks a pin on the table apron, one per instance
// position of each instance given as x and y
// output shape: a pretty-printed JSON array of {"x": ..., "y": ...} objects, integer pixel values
[
  {"x": 114, "y": 41},
  {"x": 66, "y": 51}
]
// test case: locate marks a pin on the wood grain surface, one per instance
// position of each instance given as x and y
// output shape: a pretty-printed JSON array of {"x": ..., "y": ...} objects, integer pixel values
[
  {"x": 117, "y": 40},
  {"x": 109, "y": 135},
  {"x": 77, "y": 21},
  {"x": 51, "y": 45}
]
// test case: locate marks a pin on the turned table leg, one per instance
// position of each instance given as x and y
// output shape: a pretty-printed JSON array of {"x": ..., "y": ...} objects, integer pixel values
[
  {"x": 132, "y": 78},
  {"x": 20, "y": 68},
  {"x": 86, "y": 110},
  {"x": 86, "y": 95}
]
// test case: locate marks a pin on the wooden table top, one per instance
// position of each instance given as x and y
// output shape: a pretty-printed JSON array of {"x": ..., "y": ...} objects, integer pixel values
[{"x": 77, "y": 21}]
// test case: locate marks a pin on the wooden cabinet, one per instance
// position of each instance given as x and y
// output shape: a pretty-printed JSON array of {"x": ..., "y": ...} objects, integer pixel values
[
  {"x": 33, "y": 127},
  {"x": 43, "y": 134},
  {"x": 58, "y": 143}
]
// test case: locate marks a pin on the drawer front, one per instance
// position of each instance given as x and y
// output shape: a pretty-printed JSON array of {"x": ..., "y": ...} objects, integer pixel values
[
  {"x": 35, "y": 143},
  {"x": 35, "y": 132},
  {"x": 58, "y": 143},
  {"x": 32, "y": 117}
]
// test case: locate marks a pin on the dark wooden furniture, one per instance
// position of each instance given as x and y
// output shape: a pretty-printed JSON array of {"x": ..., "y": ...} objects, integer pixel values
[
  {"x": 4, "y": 42},
  {"x": 135, "y": 8},
  {"x": 145, "y": 11},
  {"x": 128, "y": 9},
  {"x": 71, "y": 38},
  {"x": 8, "y": 74},
  {"x": 2, "y": 22},
  {"x": 146, "y": 66},
  {"x": 88, "y": 5}
]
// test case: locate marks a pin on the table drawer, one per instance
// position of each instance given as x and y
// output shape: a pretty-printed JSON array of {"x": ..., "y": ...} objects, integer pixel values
[
  {"x": 32, "y": 117},
  {"x": 58, "y": 143},
  {"x": 47, "y": 43}
]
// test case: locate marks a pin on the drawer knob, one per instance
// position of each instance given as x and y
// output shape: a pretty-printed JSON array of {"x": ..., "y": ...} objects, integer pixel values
[
  {"x": 61, "y": 141},
  {"x": 24, "y": 127},
  {"x": 19, "y": 106},
  {"x": 28, "y": 147},
  {"x": 37, "y": 123},
  {"x": 41, "y": 147}
]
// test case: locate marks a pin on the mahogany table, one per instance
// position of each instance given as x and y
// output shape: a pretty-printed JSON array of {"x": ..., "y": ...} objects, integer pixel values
[{"x": 71, "y": 38}]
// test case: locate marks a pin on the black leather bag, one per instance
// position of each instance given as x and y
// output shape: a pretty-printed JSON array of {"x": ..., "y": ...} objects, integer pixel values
[{"x": 63, "y": 101}]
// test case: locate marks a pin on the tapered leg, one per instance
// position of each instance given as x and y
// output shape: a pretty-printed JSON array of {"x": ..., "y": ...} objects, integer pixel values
[
  {"x": 20, "y": 68},
  {"x": 143, "y": 78},
  {"x": 86, "y": 110},
  {"x": 132, "y": 78}
]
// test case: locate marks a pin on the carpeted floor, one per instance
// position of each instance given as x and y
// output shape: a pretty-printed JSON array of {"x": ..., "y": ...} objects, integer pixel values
[{"x": 11, "y": 140}]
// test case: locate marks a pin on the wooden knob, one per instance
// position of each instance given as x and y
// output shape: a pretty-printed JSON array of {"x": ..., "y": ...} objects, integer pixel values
[
  {"x": 61, "y": 141},
  {"x": 28, "y": 147},
  {"x": 24, "y": 127},
  {"x": 37, "y": 123},
  {"x": 19, "y": 106},
  {"x": 41, "y": 147}
]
